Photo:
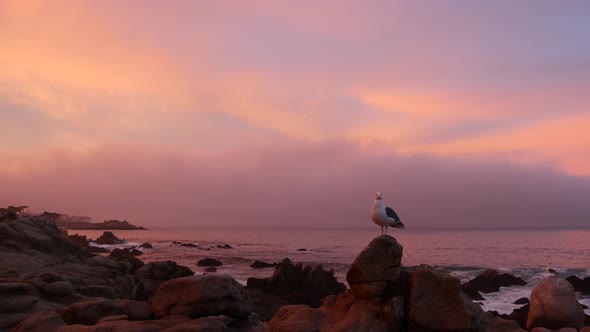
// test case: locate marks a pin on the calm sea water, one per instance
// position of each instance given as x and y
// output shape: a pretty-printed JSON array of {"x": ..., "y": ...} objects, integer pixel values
[{"x": 464, "y": 253}]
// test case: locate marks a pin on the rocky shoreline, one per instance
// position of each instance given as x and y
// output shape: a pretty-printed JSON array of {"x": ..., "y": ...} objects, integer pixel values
[{"x": 50, "y": 281}]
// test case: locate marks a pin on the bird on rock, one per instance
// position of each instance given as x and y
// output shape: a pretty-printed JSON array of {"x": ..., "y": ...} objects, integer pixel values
[{"x": 384, "y": 216}]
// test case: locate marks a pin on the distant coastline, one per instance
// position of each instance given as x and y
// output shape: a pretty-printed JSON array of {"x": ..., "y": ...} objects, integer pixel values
[{"x": 105, "y": 225}]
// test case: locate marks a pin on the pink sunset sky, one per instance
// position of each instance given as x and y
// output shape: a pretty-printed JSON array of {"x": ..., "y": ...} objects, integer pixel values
[{"x": 293, "y": 113}]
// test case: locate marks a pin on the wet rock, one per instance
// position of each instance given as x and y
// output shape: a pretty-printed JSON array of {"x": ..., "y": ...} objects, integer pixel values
[
  {"x": 490, "y": 281},
  {"x": 209, "y": 262},
  {"x": 200, "y": 296},
  {"x": 224, "y": 246},
  {"x": 580, "y": 285},
  {"x": 522, "y": 300},
  {"x": 301, "y": 249},
  {"x": 211, "y": 269},
  {"x": 554, "y": 305},
  {"x": 146, "y": 245},
  {"x": 188, "y": 245},
  {"x": 109, "y": 238},
  {"x": 262, "y": 265}
]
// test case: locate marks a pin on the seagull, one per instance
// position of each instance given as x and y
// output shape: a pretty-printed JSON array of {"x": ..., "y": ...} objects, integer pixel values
[{"x": 384, "y": 216}]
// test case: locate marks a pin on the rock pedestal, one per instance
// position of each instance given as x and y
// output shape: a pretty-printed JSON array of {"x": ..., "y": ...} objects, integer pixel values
[
  {"x": 384, "y": 296},
  {"x": 376, "y": 269}
]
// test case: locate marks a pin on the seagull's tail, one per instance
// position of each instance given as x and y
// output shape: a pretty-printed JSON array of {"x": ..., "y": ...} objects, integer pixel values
[{"x": 399, "y": 224}]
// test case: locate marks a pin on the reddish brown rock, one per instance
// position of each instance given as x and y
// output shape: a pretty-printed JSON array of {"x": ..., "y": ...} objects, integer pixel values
[
  {"x": 200, "y": 296},
  {"x": 344, "y": 312},
  {"x": 437, "y": 303},
  {"x": 554, "y": 305},
  {"x": 376, "y": 269},
  {"x": 91, "y": 311},
  {"x": 41, "y": 321}
]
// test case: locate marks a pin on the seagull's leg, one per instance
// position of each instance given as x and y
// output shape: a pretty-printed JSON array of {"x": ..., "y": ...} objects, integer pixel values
[
  {"x": 381, "y": 230},
  {"x": 386, "y": 229}
]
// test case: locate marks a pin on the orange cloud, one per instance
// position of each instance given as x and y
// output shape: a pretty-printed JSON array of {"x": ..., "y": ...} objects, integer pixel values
[{"x": 561, "y": 142}]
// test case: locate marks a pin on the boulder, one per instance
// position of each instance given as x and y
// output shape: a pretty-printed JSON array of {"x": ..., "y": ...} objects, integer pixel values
[
  {"x": 553, "y": 305},
  {"x": 297, "y": 284},
  {"x": 209, "y": 262},
  {"x": 108, "y": 237},
  {"x": 522, "y": 300},
  {"x": 376, "y": 269},
  {"x": 262, "y": 265},
  {"x": 580, "y": 285},
  {"x": 146, "y": 245},
  {"x": 437, "y": 303},
  {"x": 91, "y": 311},
  {"x": 490, "y": 281},
  {"x": 224, "y": 246},
  {"x": 79, "y": 240},
  {"x": 497, "y": 324},
  {"x": 200, "y": 296},
  {"x": 344, "y": 312},
  {"x": 127, "y": 254},
  {"x": 151, "y": 275},
  {"x": 42, "y": 321}
]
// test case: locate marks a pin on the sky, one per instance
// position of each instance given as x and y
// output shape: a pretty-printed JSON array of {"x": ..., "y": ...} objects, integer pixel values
[{"x": 294, "y": 113}]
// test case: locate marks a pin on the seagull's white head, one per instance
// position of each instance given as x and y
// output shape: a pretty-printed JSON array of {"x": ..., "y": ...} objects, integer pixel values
[{"x": 378, "y": 195}]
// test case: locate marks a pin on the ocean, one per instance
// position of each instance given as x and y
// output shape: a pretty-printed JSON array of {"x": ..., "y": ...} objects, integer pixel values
[{"x": 464, "y": 253}]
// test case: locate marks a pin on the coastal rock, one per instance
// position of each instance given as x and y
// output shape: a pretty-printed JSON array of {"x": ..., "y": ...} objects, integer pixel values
[
  {"x": 299, "y": 285},
  {"x": 127, "y": 254},
  {"x": 42, "y": 321},
  {"x": 437, "y": 303},
  {"x": 188, "y": 245},
  {"x": 146, "y": 245},
  {"x": 109, "y": 238},
  {"x": 490, "y": 281},
  {"x": 91, "y": 311},
  {"x": 97, "y": 250},
  {"x": 497, "y": 324},
  {"x": 151, "y": 275},
  {"x": 580, "y": 285},
  {"x": 79, "y": 240},
  {"x": 209, "y": 262},
  {"x": 211, "y": 269},
  {"x": 376, "y": 269},
  {"x": 344, "y": 312},
  {"x": 199, "y": 296},
  {"x": 554, "y": 305},
  {"x": 224, "y": 246},
  {"x": 262, "y": 265},
  {"x": 522, "y": 300}
]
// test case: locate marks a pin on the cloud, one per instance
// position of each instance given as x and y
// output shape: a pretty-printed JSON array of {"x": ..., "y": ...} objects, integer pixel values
[{"x": 290, "y": 184}]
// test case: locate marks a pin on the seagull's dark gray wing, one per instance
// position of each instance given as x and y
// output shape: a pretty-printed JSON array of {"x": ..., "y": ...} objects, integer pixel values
[{"x": 391, "y": 214}]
